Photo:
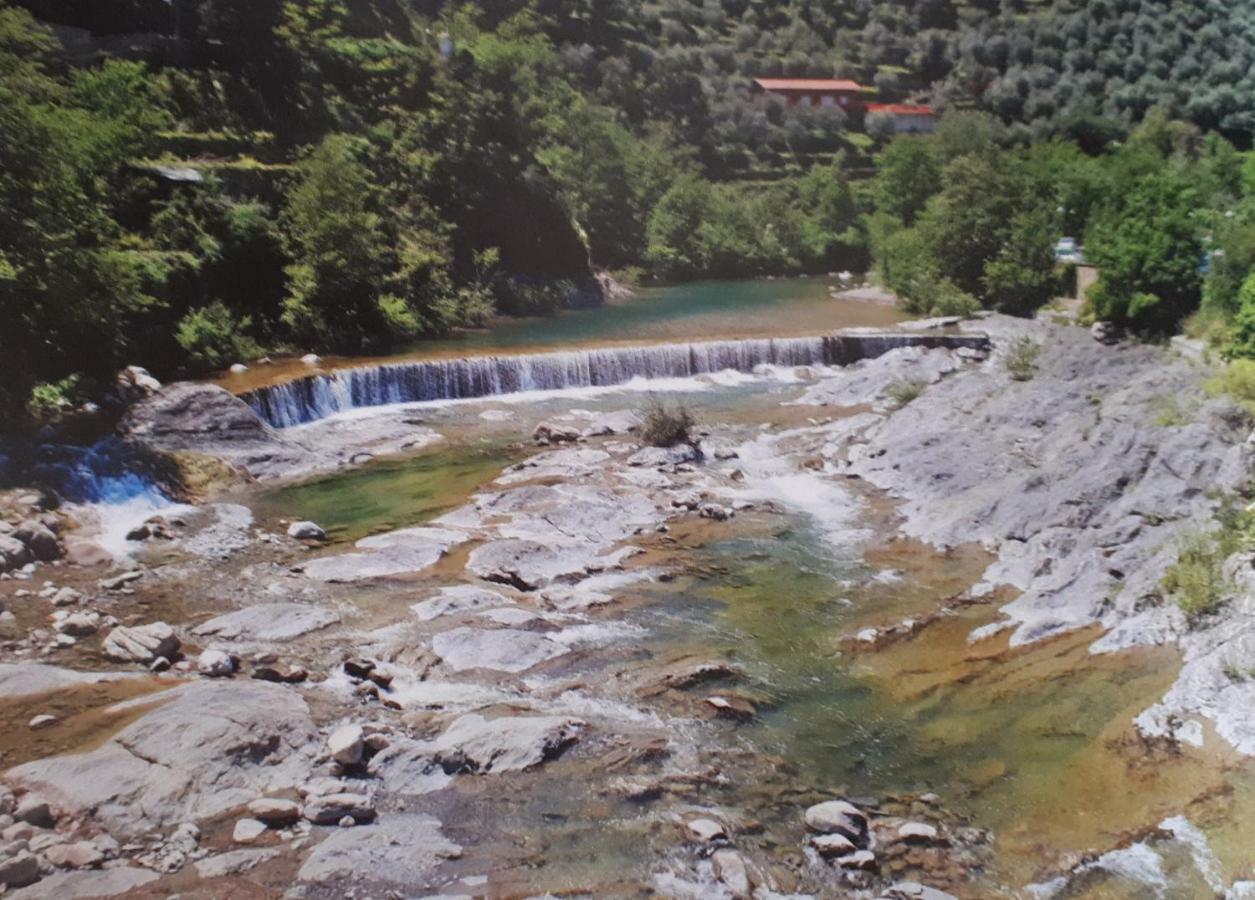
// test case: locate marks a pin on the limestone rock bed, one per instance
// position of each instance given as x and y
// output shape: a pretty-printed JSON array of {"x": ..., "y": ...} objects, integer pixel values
[{"x": 478, "y": 705}]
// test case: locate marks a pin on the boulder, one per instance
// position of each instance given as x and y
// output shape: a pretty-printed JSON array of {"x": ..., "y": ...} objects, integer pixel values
[
  {"x": 34, "y": 810},
  {"x": 832, "y": 845},
  {"x": 1105, "y": 332},
  {"x": 141, "y": 643},
  {"x": 731, "y": 870},
  {"x": 76, "y": 855},
  {"x": 13, "y": 553},
  {"x": 83, "y": 552},
  {"x": 79, "y": 624},
  {"x": 207, "y": 748},
  {"x": 247, "y": 830},
  {"x": 859, "y": 859},
  {"x": 555, "y": 433},
  {"x": 306, "y": 531},
  {"x": 346, "y": 745},
  {"x": 838, "y": 817},
  {"x": 275, "y": 812},
  {"x": 39, "y": 539},
  {"x": 918, "y": 832},
  {"x": 19, "y": 870},
  {"x": 705, "y": 830},
  {"x": 329, "y": 809},
  {"x": 215, "y": 664}
]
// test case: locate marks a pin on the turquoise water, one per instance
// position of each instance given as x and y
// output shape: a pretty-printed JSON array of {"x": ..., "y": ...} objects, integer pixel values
[
  {"x": 698, "y": 311},
  {"x": 702, "y": 310}
]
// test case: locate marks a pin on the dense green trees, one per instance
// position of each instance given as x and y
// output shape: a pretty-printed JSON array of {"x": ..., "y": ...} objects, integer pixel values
[{"x": 351, "y": 187}]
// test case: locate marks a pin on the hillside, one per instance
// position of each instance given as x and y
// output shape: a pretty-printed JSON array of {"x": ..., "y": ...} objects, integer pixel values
[{"x": 200, "y": 182}]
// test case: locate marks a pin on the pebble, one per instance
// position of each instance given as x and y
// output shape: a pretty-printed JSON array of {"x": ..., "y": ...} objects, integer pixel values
[
  {"x": 706, "y": 830},
  {"x": 215, "y": 664},
  {"x": 248, "y": 830}
]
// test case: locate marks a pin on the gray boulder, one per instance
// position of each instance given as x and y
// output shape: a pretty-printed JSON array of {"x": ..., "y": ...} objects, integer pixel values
[
  {"x": 306, "y": 531},
  {"x": 39, "y": 539},
  {"x": 141, "y": 643}
]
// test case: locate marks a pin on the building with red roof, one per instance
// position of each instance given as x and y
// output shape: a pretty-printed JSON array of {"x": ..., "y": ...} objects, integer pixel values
[
  {"x": 815, "y": 92},
  {"x": 907, "y": 118}
]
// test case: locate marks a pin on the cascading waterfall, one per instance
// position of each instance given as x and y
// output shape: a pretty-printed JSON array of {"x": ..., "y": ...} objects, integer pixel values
[{"x": 318, "y": 396}]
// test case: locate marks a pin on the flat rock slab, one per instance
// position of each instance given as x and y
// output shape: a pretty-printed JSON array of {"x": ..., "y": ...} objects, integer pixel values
[
  {"x": 209, "y": 747},
  {"x": 76, "y": 885},
  {"x": 233, "y": 862},
  {"x": 268, "y": 622},
  {"x": 529, "y": 565},
  {"x": 384, "y": 555},
  {"x": 499, "y": 649},
  {"x": 403, "y": 849},
  {"x": 26, "y": 679},
  {"x": 459, "y": 598},
  {"x": 506, "y": 744}
]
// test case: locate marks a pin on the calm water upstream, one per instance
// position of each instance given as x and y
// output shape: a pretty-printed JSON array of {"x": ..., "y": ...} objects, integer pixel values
[{"x": 699, "y": 311}]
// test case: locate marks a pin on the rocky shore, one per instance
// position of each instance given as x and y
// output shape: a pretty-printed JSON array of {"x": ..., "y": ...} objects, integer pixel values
[{"x": 243, "y": 705}]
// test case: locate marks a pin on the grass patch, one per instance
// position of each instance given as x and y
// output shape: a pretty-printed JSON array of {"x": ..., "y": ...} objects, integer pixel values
[
  {"x": 1021, "y": 358},
  {"x": 1169, "y": 413},
  {"x": 1196, "y": 582},
  {"x": 904, "y": 390},
  {"x": 665, "y": 426},
  {"x": 1236, "y": 380}
]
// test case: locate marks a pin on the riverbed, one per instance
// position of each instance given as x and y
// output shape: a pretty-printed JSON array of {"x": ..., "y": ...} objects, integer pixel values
[{"x": 718, "y": 640}]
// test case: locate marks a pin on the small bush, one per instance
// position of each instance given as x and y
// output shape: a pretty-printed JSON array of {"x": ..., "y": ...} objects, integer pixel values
[
  {"x": 214, "y": 338},
  {"x": 1237, "y": 380},
  {"x": 1195, "y": 581},
  {"x": 1021, "y": 358},
  {"x": 666, "y": 427},
  {"x": 49, "y": 398},
  {"x": 904, "y": 390}
]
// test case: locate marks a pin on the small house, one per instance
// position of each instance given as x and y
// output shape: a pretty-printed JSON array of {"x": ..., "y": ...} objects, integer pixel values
[
  {"x": 814, "y": 92},
  {"x": 907, "y": 118}
]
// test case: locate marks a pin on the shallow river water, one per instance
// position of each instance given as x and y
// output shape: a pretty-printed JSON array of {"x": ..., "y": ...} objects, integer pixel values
[{"x": 1035, "y": 744}]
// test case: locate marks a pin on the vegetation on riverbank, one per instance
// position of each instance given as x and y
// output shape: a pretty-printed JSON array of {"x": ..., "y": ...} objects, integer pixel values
[{"x": 351, "y": 174}]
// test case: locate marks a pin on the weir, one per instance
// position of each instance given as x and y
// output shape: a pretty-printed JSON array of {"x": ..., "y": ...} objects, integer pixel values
[{"x": 325, "y": 394}]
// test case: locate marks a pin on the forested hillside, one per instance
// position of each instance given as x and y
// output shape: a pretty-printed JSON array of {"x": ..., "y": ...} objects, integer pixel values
[{"x": 194, "y": 183}]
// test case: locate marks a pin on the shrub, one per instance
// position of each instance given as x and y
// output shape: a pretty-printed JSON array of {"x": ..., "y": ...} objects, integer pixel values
[
  {"x": 1195, "y": 582},
  {"x": 904, "y": 390},
  {"x": 1236, "y": 380},
  {"x": 50, "y": 398},
  {"x": 667, "y": 427},
  {"x": 214, "y": 338},
  {"x": 1021, "y": 358}
]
